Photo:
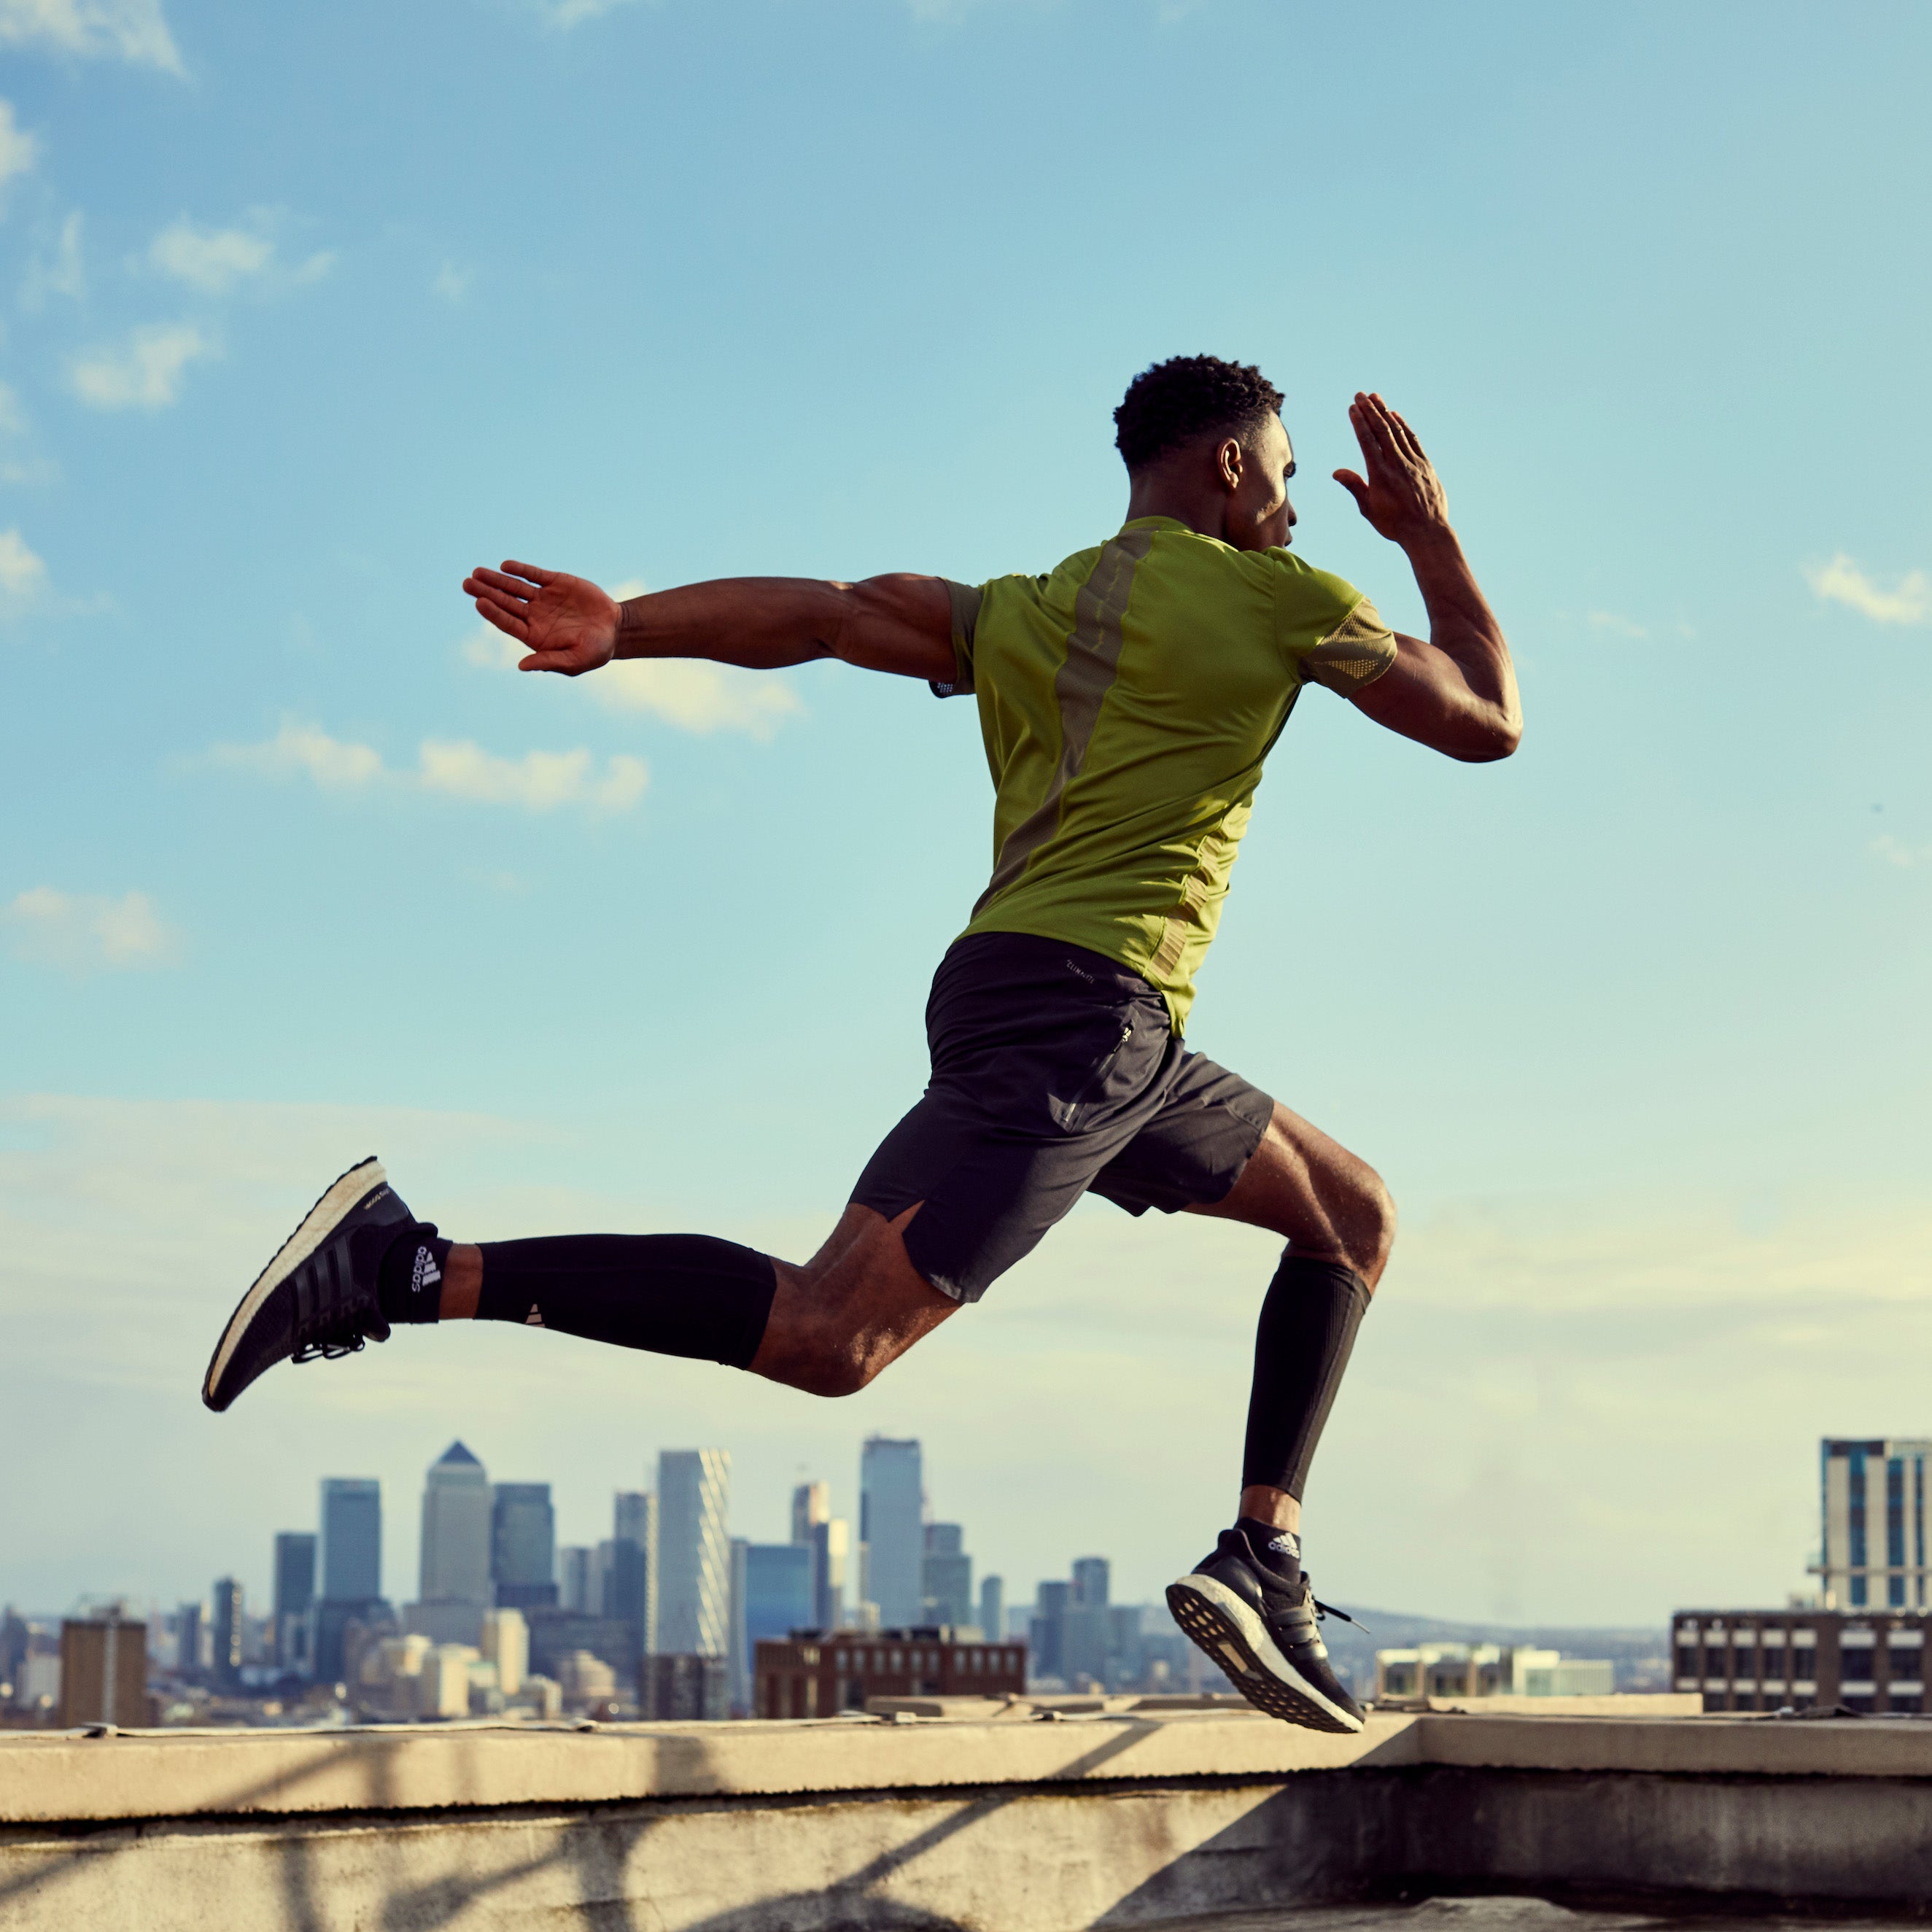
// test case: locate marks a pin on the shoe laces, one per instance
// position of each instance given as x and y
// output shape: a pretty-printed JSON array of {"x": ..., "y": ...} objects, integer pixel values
[
  {"x": 1323, "y": 1611},
  {"x": 332, "y": 1345}
]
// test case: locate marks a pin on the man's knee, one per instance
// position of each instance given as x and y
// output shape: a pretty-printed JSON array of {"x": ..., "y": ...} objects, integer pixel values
[
  {"x": 829, "y": 1369},
  {"x": 1371, "y": 1230}
]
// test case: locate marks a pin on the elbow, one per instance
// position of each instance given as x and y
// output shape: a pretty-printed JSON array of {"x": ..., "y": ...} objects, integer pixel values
[{"x": 1498, "y": 739}]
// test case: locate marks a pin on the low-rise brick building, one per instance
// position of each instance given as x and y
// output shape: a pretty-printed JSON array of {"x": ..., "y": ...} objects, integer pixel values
[
  {"x": 1868, "y": 1660},
  {"x": 817, "y": 1673}
]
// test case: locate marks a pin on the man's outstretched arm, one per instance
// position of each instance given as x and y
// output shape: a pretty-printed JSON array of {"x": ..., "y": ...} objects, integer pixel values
[
  {"x": 901, "y": 623},
  {"x": 1456, "y": 691}
]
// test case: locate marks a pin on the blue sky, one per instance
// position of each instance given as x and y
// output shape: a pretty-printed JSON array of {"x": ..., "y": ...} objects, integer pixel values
[{"x": 306, "y": 311}]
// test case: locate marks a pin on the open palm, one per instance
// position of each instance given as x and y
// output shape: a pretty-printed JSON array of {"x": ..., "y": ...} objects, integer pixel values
[
  {"x": 567, "y": 623},
  {"x": 1401, "y": 496}
]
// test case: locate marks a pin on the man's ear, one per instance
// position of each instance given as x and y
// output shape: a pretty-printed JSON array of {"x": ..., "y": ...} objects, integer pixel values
[{"x": 1228, "y": 463}]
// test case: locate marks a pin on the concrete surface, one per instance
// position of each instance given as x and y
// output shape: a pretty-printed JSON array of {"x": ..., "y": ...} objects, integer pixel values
[{"x": 1107, "y": 1819}]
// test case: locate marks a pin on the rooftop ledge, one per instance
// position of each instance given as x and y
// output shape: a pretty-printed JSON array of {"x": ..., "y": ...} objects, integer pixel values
[{"x": 74, "y": 1778}]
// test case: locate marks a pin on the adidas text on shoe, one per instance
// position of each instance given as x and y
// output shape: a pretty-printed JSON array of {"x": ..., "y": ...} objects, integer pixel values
[
  {"x": 317, "y": 1299},
  {"x": 1264, "y": 1634}
]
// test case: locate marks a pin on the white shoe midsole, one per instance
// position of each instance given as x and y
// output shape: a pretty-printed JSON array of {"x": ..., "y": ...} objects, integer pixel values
[{"x": 1266, "y": 1651}]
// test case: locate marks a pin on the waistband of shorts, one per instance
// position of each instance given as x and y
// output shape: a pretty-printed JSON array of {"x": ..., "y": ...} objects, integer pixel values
[{"x": 992, "y": 953}]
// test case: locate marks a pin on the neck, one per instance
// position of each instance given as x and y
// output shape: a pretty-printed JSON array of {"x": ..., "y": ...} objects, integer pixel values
[{"x": 1158, "y": 493}]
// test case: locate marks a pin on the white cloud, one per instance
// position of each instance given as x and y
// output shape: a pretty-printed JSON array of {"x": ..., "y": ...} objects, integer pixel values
[
  {"x": 537, "y": 781},
  {"x": 19, "y": 150},
  {"x": 1618, "y": 626},
  {"x": 568, "y": 13},
  {"x": 23, "y": 577},
  {"x": 211, "y": 260},
  {"x": 687, "y": 692},
  {"x": 130, "y": 30},
  {"x": 1841, "y": 581},
  {"x": 81, "y": 930},
  {"x": 12, "y": 418},
  {"x": 694, "y": 695},
  {"x": 1896, "y": 852},
  {"x": 62, "y": 273},
  {"x": 307, "y": 751},
  {"x": 451, "y": 283},
  {"x": 146, "y": 375}
]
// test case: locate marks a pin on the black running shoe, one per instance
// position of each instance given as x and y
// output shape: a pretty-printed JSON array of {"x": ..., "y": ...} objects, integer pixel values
[
  {"x": 317, "y": 1299},
  {"x": 1263, "y": 1634}
]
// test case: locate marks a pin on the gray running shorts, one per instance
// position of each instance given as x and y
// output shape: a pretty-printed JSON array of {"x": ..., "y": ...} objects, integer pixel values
[{"x": 1055, "y": 1072}]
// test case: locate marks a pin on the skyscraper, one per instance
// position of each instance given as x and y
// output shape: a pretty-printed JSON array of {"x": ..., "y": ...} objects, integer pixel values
[
  {"x": 947, "y": 1577},
  {"x": 227, "y": 1653},
  {"x": 773, "y": 1599},
  {"x": 1091, "y": 1577},
  {"x": 351, "y": 1561},
  {"x": 694, "y": 1552},
  {"x": 456, "y": 1522},
  {"x": 631, "y": 1586},
  {"x": 993, "y": 1609},
  {"x": 892, "y": 1529},
  {"x": 1086, "y": 1625},
  {"x": 831, "y": 1548},
  {"x": 1877, "y": 1510},
  {"x": 811, "y": 1505},
  {"x": 352, "y": 1539},
  {"x": 523, "y": 1546},
  {"x": 294, "y": 1593}
]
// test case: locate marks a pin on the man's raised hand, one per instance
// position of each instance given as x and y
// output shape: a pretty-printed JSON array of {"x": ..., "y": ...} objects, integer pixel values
[
  {"x": 567, "y": 623},
  {"x": 1403, "y": 498}
]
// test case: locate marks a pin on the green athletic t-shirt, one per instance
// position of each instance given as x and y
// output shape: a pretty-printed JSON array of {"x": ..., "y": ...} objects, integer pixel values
[{"x": 1127, "y": 700}]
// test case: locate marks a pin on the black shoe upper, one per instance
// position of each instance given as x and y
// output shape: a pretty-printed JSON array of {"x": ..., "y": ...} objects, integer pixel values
[
  {"x": 325, "y": 1307},
  {"x": 1289, "y": 1610}
]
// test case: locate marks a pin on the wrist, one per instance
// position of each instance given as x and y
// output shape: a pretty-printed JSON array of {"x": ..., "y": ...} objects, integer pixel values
[
  {"x": 628, "y": 621},
  {"x": 1430, "y": 542}
]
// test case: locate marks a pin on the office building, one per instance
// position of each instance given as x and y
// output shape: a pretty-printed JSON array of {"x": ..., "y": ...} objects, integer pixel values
[
  {"x": 631, "y": 1581},
  {"x": 1046, "y": 1628},
  {"x": 694, "y": 1552},
  {"x": 1874, "y": 1505},
  {"x": 523, "y": 1546},
  {"x": 946, "y": 1576},
  {"x": 811, "y": 1505},
  {"x": 457, "y": 1507},
  {"x": 993, "y": 1609},
  {"x": 506, "y": 1644},
  {"x": 777, "y": 1589},
  {"x": 294, "y": 1598},
  {"x": 680, "y": 1688},
  {"x": 892, "y": 1529},
  {"x": 818, "y": 1676},
  {"x": 349, "y": 1556},
  {"x": 831, "y": 1556},
  {"x": 104, "y": 1671},
  {"x": 225, "y": 1655},
  {"x": 1465, "y": 1670},
  {"x": 189, "y": 1625},
  {"x": 577, "y": 1580},
  {"x": 351, "y": 1552},
  {"x": 555, "y": 1632},
  {"x": 1870, "y": 1661},
  {"x": 1092, "y": 1577},
  {"x": 1087, "y": 1625}
]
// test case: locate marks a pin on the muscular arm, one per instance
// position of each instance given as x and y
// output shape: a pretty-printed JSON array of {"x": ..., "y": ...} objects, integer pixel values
[
  {"x": 901, "y": 623},
  {"x": 1455, "y": 691}
]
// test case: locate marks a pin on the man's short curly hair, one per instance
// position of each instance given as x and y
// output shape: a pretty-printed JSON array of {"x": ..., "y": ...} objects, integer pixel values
[{"x": 1173, "y": 402}]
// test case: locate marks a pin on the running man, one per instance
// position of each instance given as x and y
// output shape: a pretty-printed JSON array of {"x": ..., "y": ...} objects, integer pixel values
[{"x": 1127, "y": 699}]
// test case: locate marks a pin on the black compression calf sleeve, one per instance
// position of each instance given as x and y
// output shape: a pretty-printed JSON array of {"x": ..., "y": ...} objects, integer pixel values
[
  {"x": 1306, "y": 1329},
  {"x": 676, "y": 1294}
]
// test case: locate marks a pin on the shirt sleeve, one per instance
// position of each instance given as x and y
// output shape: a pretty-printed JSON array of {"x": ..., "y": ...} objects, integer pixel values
[
  {"x": 1331, "y": 634},
  {"x": 965, "y": 599}
]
